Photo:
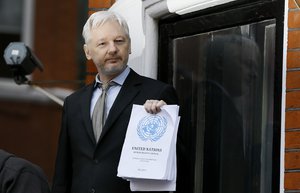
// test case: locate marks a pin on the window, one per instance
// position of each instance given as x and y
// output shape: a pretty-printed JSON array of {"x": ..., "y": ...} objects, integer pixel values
[
  {"x": 10, "y": 28},
  {"x": 225, "y": 70}
]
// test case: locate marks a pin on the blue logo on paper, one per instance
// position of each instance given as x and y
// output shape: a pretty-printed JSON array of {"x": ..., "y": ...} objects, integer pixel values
[{"x": 152, "y": 127}]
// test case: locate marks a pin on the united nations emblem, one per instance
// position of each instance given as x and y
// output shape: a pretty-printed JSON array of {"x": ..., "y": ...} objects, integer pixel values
[{"x": 152, "y": 127}]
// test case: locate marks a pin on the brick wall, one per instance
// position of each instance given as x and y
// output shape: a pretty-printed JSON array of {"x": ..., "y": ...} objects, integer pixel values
[
  {"x": 292, "y": 136},
  {"x": 30, "y": 130},
  {"x": 95, "y": 5},
  {"x": 56, "y": 23}
]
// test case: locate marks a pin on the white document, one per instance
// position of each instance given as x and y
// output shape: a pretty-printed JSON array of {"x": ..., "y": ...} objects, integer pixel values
[
  {"x": 149, "y": 150},
  {"x": 152, "y": 185}
]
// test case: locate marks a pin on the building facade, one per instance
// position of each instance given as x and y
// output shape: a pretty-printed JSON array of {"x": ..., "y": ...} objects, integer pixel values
[{"x": 211, "y": 51}]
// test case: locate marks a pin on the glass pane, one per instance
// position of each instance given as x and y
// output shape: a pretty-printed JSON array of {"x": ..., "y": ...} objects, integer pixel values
[
  {"x": 11, "y": 16},
  {"x": 225, "y": 83},
  {"x": 10, "y": 29}
]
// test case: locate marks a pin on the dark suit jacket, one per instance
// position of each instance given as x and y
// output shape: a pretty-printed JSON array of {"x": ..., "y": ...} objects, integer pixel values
[
  {"x": 18, "y": 175},
  {"x": 83, "y": 166}
]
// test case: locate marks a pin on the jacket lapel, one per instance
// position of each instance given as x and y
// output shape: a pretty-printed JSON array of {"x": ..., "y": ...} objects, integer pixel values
[{"x": 85, "y": 107}]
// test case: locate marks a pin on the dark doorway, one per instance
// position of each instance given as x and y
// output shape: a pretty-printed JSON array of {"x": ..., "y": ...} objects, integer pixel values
[{"x": 225, "y": 64}]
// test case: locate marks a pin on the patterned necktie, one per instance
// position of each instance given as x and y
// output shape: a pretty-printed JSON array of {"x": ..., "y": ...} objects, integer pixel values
[{"x": 99, "y": 115}]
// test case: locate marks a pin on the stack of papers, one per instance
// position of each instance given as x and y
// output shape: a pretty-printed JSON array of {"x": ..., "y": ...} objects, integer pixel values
[{"x": 148, "y": 158}]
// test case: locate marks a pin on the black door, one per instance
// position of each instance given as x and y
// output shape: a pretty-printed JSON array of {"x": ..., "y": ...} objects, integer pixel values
[{"x": 226, "y": 65}]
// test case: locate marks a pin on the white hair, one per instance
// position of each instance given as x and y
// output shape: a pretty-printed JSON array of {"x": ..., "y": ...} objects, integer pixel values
[{"x": 99, "y": 18}]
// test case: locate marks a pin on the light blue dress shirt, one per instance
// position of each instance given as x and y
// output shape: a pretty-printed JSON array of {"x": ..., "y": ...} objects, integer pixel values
[{"x": 112, "y": 93}]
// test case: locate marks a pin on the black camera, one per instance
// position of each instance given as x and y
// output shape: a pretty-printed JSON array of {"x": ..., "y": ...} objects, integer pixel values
[{"x": 21, "y": 60}]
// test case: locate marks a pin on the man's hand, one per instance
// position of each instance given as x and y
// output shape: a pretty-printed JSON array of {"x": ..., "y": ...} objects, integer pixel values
[{"x": 153, "y": 106}]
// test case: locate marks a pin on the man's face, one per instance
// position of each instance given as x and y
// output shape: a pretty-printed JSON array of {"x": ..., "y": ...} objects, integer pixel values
[{"x": 109, "y": 48}]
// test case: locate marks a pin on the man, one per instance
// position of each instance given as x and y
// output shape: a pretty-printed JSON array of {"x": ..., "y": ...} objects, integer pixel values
[
  {"x": 87, "y": 162},
  {"x": 18, "y": 175}
]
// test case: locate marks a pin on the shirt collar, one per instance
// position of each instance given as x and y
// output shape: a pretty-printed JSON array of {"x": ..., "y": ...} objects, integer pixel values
[{"x": 120, "y": 79}]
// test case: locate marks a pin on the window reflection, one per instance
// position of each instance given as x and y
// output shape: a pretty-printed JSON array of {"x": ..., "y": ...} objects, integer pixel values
[{"x": 224, "y": 80}]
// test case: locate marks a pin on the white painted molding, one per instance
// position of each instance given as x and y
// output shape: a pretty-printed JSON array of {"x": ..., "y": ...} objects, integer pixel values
[
  {"x": 152, "y": 11},
  {"x": 28, "y": 20},
  {"x": 187, "y": 6},
  {"x": 283, "y": 98}
]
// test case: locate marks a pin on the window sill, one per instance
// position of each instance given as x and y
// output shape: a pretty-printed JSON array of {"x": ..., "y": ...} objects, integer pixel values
[{"x": 25, "y": 93}]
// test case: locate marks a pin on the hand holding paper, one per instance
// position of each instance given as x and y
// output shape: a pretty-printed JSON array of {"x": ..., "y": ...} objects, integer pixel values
[{"x": 154, "y": 106}]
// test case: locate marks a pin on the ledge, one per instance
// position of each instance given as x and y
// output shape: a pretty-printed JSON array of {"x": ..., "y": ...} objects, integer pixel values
[{"x": 25, "y": 93}]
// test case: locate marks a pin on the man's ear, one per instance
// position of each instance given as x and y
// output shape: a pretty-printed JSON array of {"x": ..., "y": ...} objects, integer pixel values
[{"x": 87, "y": 52}]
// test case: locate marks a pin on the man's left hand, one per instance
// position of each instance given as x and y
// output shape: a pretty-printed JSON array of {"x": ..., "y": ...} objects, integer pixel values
[{"x": 154, "y": 106}]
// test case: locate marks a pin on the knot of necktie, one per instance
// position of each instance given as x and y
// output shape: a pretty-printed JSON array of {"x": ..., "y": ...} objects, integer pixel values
[{"x": 106, "y": 86}]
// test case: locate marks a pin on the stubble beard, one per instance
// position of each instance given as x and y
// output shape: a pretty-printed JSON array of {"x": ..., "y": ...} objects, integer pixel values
[{"x": 112, "y": 71}]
